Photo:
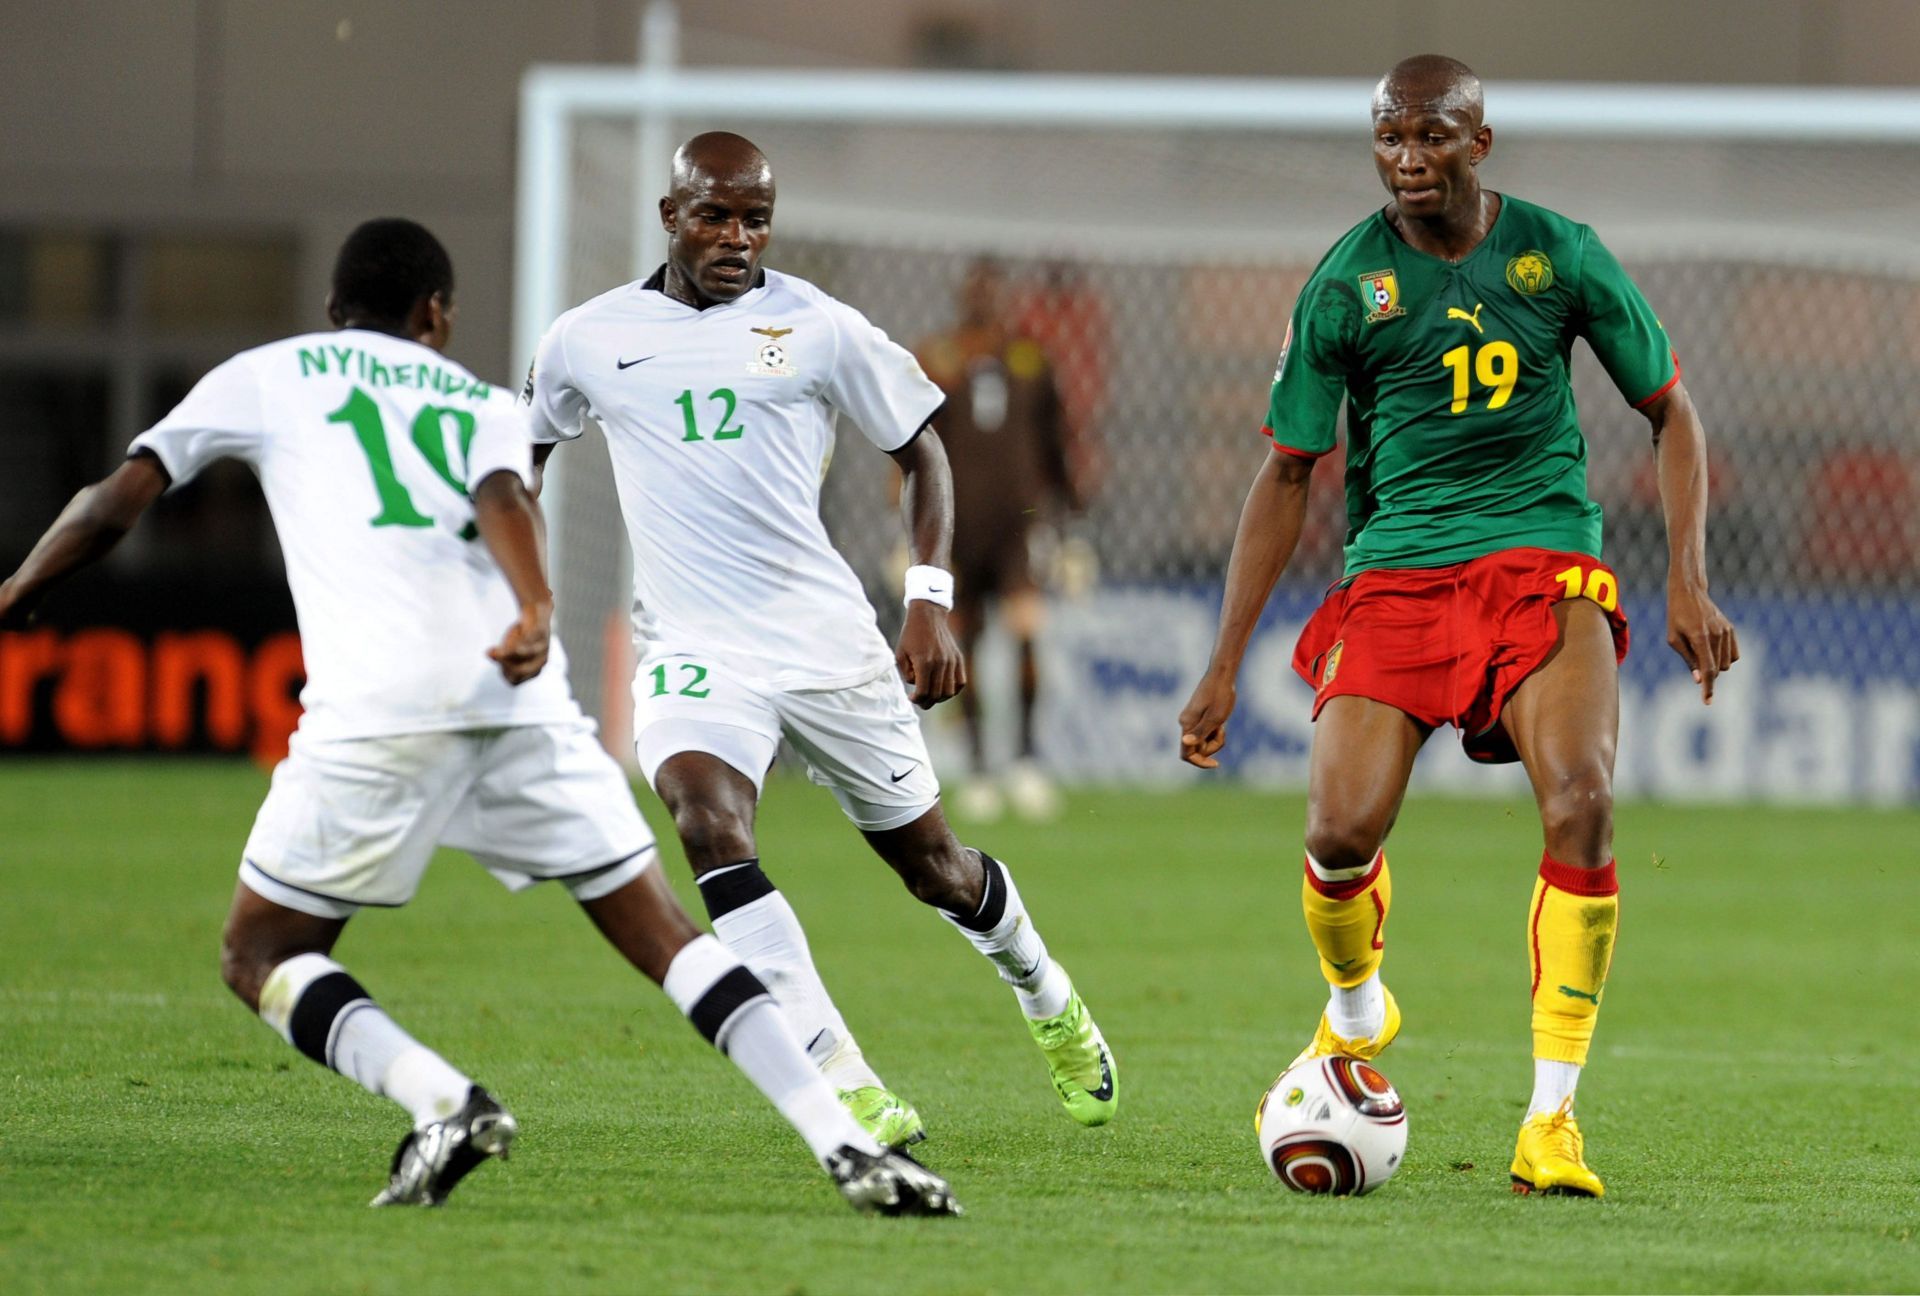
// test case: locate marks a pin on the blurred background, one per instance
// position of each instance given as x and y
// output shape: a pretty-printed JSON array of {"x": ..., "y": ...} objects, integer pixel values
[{"x": 1099, "y": 271}]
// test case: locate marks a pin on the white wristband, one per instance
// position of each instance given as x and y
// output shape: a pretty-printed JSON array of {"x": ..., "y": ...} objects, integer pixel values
[{"x": 931, "y": 584}]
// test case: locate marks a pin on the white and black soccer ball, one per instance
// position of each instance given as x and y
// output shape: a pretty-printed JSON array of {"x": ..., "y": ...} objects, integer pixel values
[{"x": 1332, "y": 1125}]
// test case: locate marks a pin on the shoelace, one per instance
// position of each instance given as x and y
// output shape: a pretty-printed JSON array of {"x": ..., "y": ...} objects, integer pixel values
[
  {"x": 1061, "y": 1031},
  {"x": 1563, "y": 1135}
]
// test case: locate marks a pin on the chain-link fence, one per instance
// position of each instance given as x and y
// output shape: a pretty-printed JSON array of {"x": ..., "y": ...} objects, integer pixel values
[{"x": 1158, "y": 270}]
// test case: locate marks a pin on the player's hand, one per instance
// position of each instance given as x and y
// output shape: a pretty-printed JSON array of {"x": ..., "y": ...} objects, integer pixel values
[
  {"x": 522, "y": 654},
  {"x": 1203, "y": 725},
  {"x": 1701, "y": 634},
  {"x": 928, "y": 657},
  {"x": 15, "y": 611}
]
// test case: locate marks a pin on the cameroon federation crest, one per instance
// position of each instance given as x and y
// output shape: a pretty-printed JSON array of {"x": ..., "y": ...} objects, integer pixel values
[
  {"x": 1332, "y": 666},
  {"x": 1530, "y": 273},
  {"x": 1381, "y": 291}
]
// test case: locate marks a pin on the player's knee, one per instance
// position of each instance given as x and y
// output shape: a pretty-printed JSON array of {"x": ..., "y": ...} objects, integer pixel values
[
  {"x": 713, "y": 836},
  {"x": 242, "y": 970},
  {"x": 1576, "y": 815},
  {"x": 1342, "y": 841},
  {"x": 946, "y": 876}
]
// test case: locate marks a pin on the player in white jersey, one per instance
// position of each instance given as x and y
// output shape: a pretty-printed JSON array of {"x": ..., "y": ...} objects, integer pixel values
[
  {"x": 398, "y": 484},
  {"x": 718, "y": 384}
]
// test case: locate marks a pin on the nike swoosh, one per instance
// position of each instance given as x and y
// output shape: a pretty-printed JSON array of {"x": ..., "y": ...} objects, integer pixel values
[
  {"x": 1105, "y": 1092},
  {"x": 628, "y": 364},
  {"x": 903, "y": 773}
]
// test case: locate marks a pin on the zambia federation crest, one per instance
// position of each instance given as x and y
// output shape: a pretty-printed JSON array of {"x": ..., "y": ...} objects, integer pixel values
[
  {"x": 770, "y": 359},
  {"x": 1530, "y": 273},
  {"x": 1381, "y": 291}
]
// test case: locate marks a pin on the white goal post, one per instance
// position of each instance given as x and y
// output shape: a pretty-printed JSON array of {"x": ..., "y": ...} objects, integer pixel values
[{"x": 1773, "y": 228}]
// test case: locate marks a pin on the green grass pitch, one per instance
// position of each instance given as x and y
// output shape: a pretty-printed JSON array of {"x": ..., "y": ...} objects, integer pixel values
[{"x": 1752, "y": 1101}]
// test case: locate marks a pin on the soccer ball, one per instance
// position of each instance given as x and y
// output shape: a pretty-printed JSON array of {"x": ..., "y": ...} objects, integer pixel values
[{"x": 1332, "y": 1125}]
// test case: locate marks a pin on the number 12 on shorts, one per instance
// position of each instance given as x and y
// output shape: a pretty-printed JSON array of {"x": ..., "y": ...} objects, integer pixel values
[
  {"x": 689, "y": 687},
  {"x": 1596, "y": 585}
]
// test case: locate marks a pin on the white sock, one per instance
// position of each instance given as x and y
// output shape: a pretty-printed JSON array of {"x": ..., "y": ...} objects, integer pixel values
[
  {"x": 767, "y": 937},
  {"x": 343, "y": 1028},
  {"x": 721, "y": 996},
  {"x": 1357, "y": 1012},
  {"x": 418, "y": 1078},
  {"x": 1003, "y": 932},
  {"x": 1335, "y": 876},
  {"x": 1553, "y": 1084}
]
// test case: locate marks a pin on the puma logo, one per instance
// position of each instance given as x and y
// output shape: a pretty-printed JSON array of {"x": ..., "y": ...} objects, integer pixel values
[
  {"x": 1454, "y": 312},
  {"x": 1571, "y": 993}
]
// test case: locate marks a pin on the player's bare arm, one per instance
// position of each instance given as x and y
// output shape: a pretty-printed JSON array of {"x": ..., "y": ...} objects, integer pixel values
[
  {"x": 928, "y": 655},
  {"x": 1270, "y": 524},
  {"x": 1696, "y": 628},
  {"x": 509, "y": 522},
  {"x": 86, "y": 530}
]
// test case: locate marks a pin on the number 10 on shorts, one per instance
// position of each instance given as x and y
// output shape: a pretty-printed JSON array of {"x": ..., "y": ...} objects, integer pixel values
[{"x": 1596, "y": 585}]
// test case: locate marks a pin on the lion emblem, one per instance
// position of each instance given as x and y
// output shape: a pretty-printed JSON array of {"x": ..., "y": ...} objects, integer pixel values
[{"x": 1530, "y": 273}]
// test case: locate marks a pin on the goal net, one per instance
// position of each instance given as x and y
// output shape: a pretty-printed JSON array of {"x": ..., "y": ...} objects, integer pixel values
[{"x": 1154, "y": 234}]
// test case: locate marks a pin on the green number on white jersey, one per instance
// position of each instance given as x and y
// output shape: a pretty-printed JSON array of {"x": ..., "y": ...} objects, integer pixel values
[
  {"x": 429, "y": 436},
  {"x": 723, "y": 432}
]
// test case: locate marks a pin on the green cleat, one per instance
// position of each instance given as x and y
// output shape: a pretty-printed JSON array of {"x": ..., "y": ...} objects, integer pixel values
[
  {"x": 1083, "y": 1070},
  {"x": 893, "y": 1123}
]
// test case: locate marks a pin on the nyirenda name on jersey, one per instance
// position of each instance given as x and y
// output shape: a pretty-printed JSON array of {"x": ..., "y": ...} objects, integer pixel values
[{"x": 351, "y": 362}]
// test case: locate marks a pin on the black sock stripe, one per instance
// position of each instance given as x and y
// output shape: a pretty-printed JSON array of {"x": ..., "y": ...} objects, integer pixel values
[
  {"x": 993, "y": 896},
  {"x": 311, "y": 1022},
  {"x": 725, "y": 997},
  {"x": 732, "y": 888}
]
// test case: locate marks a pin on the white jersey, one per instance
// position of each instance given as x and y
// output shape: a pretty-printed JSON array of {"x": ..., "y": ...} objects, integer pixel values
[
  {"x": 720, "y": 423},
  {"x": 363, "y": 444}
]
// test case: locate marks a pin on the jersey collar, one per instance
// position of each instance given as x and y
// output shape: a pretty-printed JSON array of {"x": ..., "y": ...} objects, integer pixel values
[
  {"x": 657, "y": 282},
  {"x": 1394, "y": 237}
]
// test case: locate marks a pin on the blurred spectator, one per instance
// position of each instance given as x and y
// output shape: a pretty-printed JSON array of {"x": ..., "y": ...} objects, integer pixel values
[
  {"x": 1006, "y": 435},
  {"x": 1067, "y": 317}
]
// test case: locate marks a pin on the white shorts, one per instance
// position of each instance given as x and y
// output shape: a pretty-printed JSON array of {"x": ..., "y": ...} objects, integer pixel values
[
  {"x": 352, "y": 822},
  {"x": 862, "y": 742}
]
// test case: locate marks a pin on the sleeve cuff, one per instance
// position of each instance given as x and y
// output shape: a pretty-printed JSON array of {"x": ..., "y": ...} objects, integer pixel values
[
  {"x": 1666, "y": 387},
  {"x": 1297, "y": 453},
  {"x": 142, "y": 446},
  {"x": 919, "y": 427}
]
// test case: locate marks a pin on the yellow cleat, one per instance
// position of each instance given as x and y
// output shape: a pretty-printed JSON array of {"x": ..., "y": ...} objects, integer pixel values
[
  {"x": 1549, "y": 1158},
  {"x": 1326, "y": 1043}
]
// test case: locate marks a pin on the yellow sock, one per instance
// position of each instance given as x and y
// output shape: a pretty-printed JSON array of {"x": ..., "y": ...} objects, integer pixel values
[
  {"x": 1570, "y": 933},
  {"x": 1347, "y": 918}
]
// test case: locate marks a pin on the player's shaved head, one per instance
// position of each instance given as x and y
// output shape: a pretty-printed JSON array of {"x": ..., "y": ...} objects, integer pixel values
[
  {"x": 1430, "y": 83},
  {"x": 723, "y": 158},
  {"x": 718, "y": 215},
  {"x": 1428, "y": 137}
]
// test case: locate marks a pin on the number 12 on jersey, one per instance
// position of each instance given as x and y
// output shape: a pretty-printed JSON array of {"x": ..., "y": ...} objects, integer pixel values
[{"x": 722, "y": 432}]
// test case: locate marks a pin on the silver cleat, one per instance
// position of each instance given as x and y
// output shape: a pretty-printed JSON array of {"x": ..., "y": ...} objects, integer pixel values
[
  {"x": 891, "y": 1183},
  {"x": 431, "y": 1161}
]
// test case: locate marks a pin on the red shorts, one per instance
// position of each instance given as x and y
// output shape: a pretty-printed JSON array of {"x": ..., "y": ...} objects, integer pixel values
[{"x": 1449, "y": 645}]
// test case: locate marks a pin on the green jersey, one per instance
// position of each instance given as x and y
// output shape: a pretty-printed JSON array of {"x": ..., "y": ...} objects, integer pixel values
[{"x": 1462, "y": 437}]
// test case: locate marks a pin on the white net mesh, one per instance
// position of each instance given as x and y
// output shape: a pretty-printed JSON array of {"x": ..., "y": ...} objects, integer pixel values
[{"x": 1159, "y": 268}]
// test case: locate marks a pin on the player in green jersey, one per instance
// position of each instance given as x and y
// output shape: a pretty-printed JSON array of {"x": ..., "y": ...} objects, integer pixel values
[{"x": 1473, "y": 594}]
